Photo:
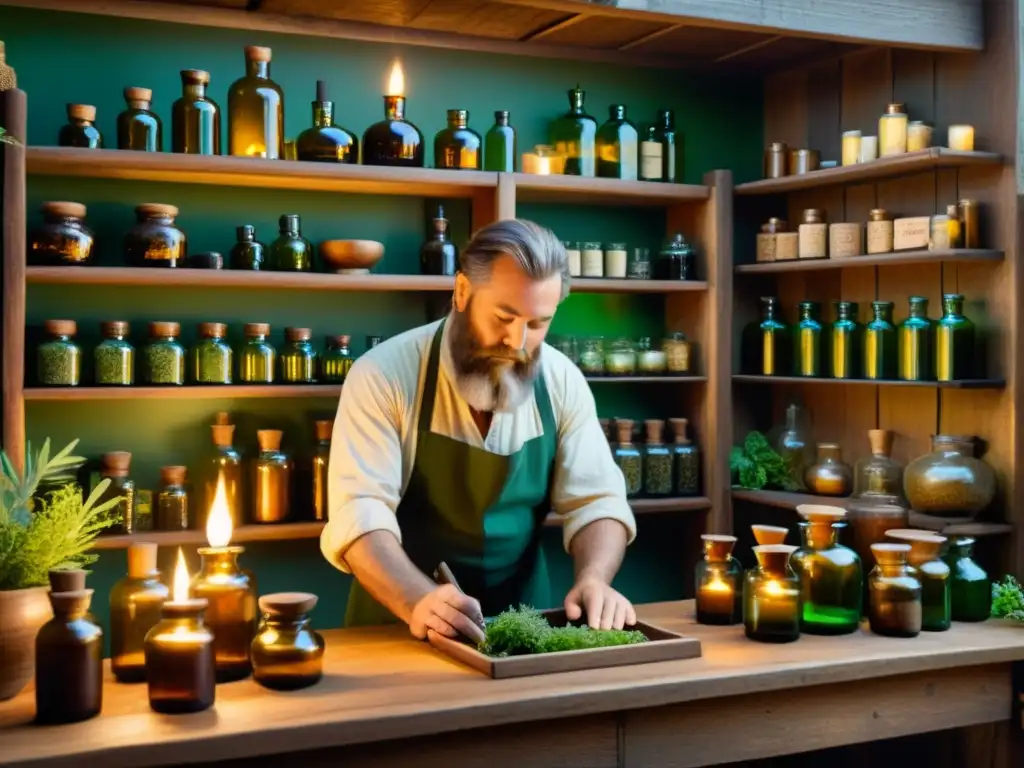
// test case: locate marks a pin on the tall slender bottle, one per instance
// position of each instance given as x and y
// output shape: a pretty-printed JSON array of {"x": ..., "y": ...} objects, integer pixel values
[
  {"x": 954, "y": 341},
  {"x": 321, "y": 456},
  {"x": 617, "y": 146},
  {"x": 195, "y": 117},
  {"x": 671, "y": 146},
  {"x": 256, "y": 109},
  {"x": 326, "y": 142},
  {"x": 808, "y": 340},
  {"x": 880, "y": 343},
  {"x": 574, "y": 134},
  {"x": 438, "y": 254},
  {"x": 138, "y": 127},
  {"x": 846, "y": 347},
  {"x": 222, "y": 460},
  {"x": 915, "y": 342},
  {"x": 500, "y": 145},
  {"x": 767, "y": 346}
]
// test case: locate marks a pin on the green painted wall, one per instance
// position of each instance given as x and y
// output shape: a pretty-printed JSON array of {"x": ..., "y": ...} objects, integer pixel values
[{"x": 63, "y": 58}]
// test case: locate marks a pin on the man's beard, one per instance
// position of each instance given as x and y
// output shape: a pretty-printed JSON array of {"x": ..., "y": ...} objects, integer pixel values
[{"x": 490, "y": 379}]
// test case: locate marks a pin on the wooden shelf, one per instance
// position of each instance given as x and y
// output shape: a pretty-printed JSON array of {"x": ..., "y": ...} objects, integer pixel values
[
  {"x": 962, "y": 255},
  {"x": 577, "y": 189},
  {"x": 958, "y": 384},
  {"x": 883, "y": 168},
  {"x": 311, "y": 530},
  {"x": 646, "y": 379}
]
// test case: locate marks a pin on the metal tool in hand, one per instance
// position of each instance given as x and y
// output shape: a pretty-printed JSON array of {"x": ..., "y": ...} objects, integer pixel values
[{"x": 443, "y": 575}]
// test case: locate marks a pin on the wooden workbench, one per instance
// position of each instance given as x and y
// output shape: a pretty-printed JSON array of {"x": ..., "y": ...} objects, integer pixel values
[{"x": 389, "y": 700}]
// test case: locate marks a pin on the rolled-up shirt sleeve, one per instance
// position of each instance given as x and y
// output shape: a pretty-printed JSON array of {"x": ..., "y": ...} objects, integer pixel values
[
  {"x": 365, "y": 467},
  {"x": 588, "y": 484}
]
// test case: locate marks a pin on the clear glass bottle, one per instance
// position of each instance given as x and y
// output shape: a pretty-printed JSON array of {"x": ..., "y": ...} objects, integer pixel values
[
  {"x": 336, "y": 360},
  {"x": 620, "y": 359},
  {"x": 231, "y": 614},
  {"x": 326, "y": 142},
  {"x": 321, "y": 457},
  {"x": 675, "y": 260},
  {"x": 894, "y": 602},
  {"x": 287, "y": 653},
  {"x": 80, "y": 130},
  {"x": 172, "y": 513},
  {"x": 272, "y": 479},
  {"x": 394, "y": 140},
  {"x": 114, "y": 357},
  {"x": 892, "y": 131},
  {"x": 617, "y": 146},
  {"x": 256, "y": 109},
  {"x": 69, "y": 661},
  {"x": 257, "y": 356},
  {"x": 138, "y": 127},
  {"x": 768, "y": 346},
  {"x": 291, "y": 252},
  {"x": 500, "y": 145},
  {"x": 115, "y": 465},
  {"x": 794, "y": 445},
  {"x": 180, "y": 659},
  {"x": 954, "y": 341},
  {"x": 685, "y": 461},
  {"x": 62, "y": 238},
  {"x": 162, "y": 359},
  {"x": 574, "y": 135},
  {"x": 878, "y": 477},
  {"x": 154, "y": 240},
  {"x": 297, "y": 361},
  {"x": 915, "y": 337},
  {"x": 831, "y": 575},
  {"x": 223, "y": 462},
  {"x": 247, "y": 252},
  {"x": 671, "y": 146},
  {"x": 880, "y": 343},
  {"x": 657, "y": 461},
  {"x": 970, "y": 587},
  {"x": 846, "y": 345},
  {"x": 771, "y": 596},
  {"x": 925, "y": 558},
  {"x": 719, "y": 582},
  {"x": 629, "y": 458},
  {"x": 135, "y": 606},
  {"x": 457, "y": 145},
  {"x": 829, "y": 475},
  {"x": 808, "y": 341},
  {"x": 195, "y": 117},
  {"x": 211, "y": 355},
  {"x": 438, "y": 254},
  {"x": 59, "y": 358}
]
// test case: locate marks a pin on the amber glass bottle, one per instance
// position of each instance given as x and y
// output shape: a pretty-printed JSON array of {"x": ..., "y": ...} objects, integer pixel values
[
  {"x": 172, "y": 509},
  {"x": 321, "y": 457},
  {"x": 326, "y": 142},
  {"x": 62, "y": 238},
  {"x": 272, "y": 480},
  {"x": 438, "y": 254},
  {"x": 154, "y": 240},
  {"x": 771, "y": 596},
  {"x": 257, "y": 356},
  {"x": 394, "y": 140},
  {"x": 287, "y": 654},
  {"x": 135, "y": 603},
  {"x": 894, "y": 592},
  {"x": 180, "y": 660},
  {"x": 298, "y": 358},
  {"x": 291, "y": 252},
  {"x": 256, "y": 109},
  {"x": 457, "y": 145},
  {"x": 500, "y": 145},
  {"x": 69, "y": 661},
  {"x": 617, "y": 146},
  {"x": 223, "y": 461},
  {"x": 81, "y": 130},
  {"x": 719, "y": 582},
  {"x": 574, "y": 134},
  {"x": 138, "y": 127},
  {"x": 231, "y": 615},
  {"x": 195, "y": 117}
]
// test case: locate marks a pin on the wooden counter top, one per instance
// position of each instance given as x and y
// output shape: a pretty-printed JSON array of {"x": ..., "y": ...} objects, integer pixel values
[{"x": 380, "y": 684}]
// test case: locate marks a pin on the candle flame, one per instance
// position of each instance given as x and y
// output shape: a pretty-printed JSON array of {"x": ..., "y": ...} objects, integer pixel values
[
  {"x": 396, "y": 80},
  {"x": 218, "y": 524},
  {"x": 774, "y": 588},
  {"x": 181, "y": 579},
  {"x": 717, "y": 585}
]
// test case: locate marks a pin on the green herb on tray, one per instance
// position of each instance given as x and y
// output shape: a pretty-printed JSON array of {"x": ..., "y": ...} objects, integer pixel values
[
  {"x": 522, "y": 631},
  {"x": 756, "y": 465},
  {"x": 1008, "y": 600}
]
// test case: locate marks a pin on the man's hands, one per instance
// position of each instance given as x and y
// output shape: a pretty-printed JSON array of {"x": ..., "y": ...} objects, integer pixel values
[
  {"x": 605, "y": 607},
  {"x": 448, "y": 612}
]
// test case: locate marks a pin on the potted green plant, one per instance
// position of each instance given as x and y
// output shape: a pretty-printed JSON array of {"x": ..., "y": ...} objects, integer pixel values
[{"x": 37, "y": 535}]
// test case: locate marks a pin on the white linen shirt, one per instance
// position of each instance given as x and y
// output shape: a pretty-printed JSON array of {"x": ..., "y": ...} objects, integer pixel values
[{"x": 373, "y": 444}]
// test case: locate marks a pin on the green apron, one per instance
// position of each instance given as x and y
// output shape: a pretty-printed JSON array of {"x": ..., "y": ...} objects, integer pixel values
[{"x": 481, "y": 513}]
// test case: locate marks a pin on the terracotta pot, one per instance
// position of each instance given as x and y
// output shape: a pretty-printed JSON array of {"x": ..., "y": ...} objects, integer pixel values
[
  {"x": 950, "y": 481},
  {"x": 22, "y": 613}
]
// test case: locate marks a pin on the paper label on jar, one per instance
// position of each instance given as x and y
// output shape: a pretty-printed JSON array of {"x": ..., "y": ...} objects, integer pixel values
[
  {"x": 575, "y": 266},
  {"x": 615, "y": 263},
  {"x": 650, "y": 160},
  {"x": 593, "y": 263}
]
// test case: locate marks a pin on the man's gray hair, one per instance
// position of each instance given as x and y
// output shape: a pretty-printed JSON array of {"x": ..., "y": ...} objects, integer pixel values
[{"x": 536, "y": 249}]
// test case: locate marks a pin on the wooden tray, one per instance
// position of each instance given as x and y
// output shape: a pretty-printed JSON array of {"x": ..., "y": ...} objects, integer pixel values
[{"x": 663, "y": 645}]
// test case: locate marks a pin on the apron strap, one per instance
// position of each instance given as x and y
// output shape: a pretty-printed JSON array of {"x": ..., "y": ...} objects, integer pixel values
[{"x": 430, "y": 381}]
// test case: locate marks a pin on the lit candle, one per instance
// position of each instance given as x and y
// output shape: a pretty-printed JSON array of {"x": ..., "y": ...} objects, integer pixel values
[
  {"x": 543, "y": 161},
  {"x": 961, "y": 137},
  {"x": 771, "y": 604},
  {"x": 393, "y": 140},
  {"x": 719, "y": 577},
  {"x": 180, "y": 665},
  {"x": 716, "y": 597}
]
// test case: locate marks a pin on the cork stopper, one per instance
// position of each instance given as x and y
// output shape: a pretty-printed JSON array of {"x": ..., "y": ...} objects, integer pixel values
[
  {"x": 766, "y": 535},
  {"x": 679, "y": 431},
  {"x": 156, "y": 209},
  {"x": 113, "y": 328},
  {"x": 63, "y": 209},
  {"x": 717, "y": 546},
  {"x": 61, "y": 327},
  {"x": 71, "y": 603},
  {"x": 133, "y": 94},
  {"x": 890, "y": 554},
  {"x": 223, "y": 435},
  {"x": 774, "y": 557},
  {"x": 174, "y": 475},
  {"x": 212, "y": 330},
  {"x": 288, "y": 605},
  {"x": 925, "y": 548},
  {"x": 257, "y": 329},
  {"x": 654, "y": 429},
  {"x": 895, "y": 109},
  {"x": 85, "y": 112},
  {"x": 257, "y": 53},
  {"x": 624, "y": 429},
  {"x": 67, "y": 580},
  {"x": 195, "y": 77},
  {"x": 164, "y": 328},
  {"x": 821, "y": 514},
  {"x": 813, "y": 216},
  {"x": 142, "y": 559},
  {"x": 298, "y": 334},
  {"x": 116, "y": 463},
  {"x": 269, "y": 439},
  {"x": 881, "y": 441},
  {"x": 324, "y": 428}
]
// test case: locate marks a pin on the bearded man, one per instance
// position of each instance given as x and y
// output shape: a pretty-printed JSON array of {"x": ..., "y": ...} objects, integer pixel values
[{"x": 455, "y": 440}]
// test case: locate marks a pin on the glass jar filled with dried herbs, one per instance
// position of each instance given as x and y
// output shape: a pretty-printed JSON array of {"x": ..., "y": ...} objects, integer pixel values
[
  {"x": 686, "y": 461},
  {"x": 657, "y": 460},
  {"x": 592, "y": 357},
  {"x": 298, "y": 358},
  {"x": 115, "y": 466},
  {"x": 211, "y": 356},
  {"x": 336, "y": 361},
  {"x": 154, "y": 240},
  {"x": 256, "y": 357},
  {"x": 172, "y": 501},
  {"x": 59, "y": 358},
  {"x": 162, "y": 359},
  {"x": 629, "y": 458},
  {"x": 114, "y": 357},
  {"x": 62, "y": 239}
]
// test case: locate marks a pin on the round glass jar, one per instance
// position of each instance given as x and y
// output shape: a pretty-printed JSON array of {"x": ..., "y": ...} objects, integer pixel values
[
  {"x": 950, "y": 481},
  {"x": 211, "y": 356},
  {"x": 678, "y": 354},
  {"x": 620, "y": 360},
  {"x": 592, "y": 259},
  {"x": 675, "y": 261},
  {"x": 298, "y": 358},
  {"x": 616, "y": 259},
  {"x": 336, "y": 361},
  {"x": 62, "y": 238},
  {"x": 651, "y": 360},
  {"x": 592, "y": 357},
  {"x": 59, "y": 358},
  {"x": 256, "y": 356},
  {"x": 287, "y": 653},
  {"x": 154, "y": 240},
  {"x": 114, "y": 357},
  {"x": 162, "y": 359}
]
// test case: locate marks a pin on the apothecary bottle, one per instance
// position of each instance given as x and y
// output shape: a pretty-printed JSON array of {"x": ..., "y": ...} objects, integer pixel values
[
  {"x": 287, "y": 654},
  {"x": 892, "y": 131},
  {"x": 162, "y": 359},
  {"x": 336, "y": 360},
  {"x": 154, "y": 240},
  {"x": 231, "y": 593},
  {"x": 257, "y": 357},
  {"x": 719, "y": 582},
  {"x": 639, "y": 266},
  {"x": 195, "y": 117},
  {"x": 179, "y": 650},
  {"x": 685, "y": 461},
  {"x": 678, "y": 353},
  {"x": 574, "y": 135},
  {"x": 138, "y": 127},
  {"x": 675, "y": 260},
  {"x": 69, "y": 661},
  {"x": 500, "y": 145},
  {"x": 878, "y": 477},
  {"x": 808, "y": 341},
  {"x": 394, "y": 140},
  {"x": 794, "y": 445},
  {"x": 933, "y": 573},
  {"x": 651, "y": 164},
  {"x": 114, "y": 357},
  {"x": 845, "y": 342},
  {"x": 970, "y": 587},
  {"x": 297, "y": 360},
  {"x": 135, "y": 603},
  {"x": 222, "y": 464},
  {"x": 657, "y": 461},
  {"x": 771, "y": 596},
  {"x": 768, "y": 345},
  {"x": 272, "y": 479},
  {"x": 592, "y": 356},
  {"x": 880, "y": 343},
  {"x": 629, "y": 458},
  {"x": 894, "y": 593},
  {"x": 651, "y": 359},
  {"x": 954, "y": 341},
  {"x": 620, "y": 359},
  {"x": 831, "y": 575},
  {"x": 438, "y": 254},
  {"x": 326, "y": 142},
  {"x": 671, "y": 146},
  {"x": 617, "y": 146},
  {"x": 256, "y": 109},
  {"x": 457, "y": 145},
  {"x": 247, "y": 252},
  {"x": 115, "y": 466},
  {"x": 58, "y": 357},
  {"x": 211, "y": 355},
  {"x": 172, "y": 512},
  {"x": 829, "y": 475},
  {"x": 80, "y": 130},
  {"x": 291, "y": 252},
  {"x": 63, "y": 238},
  {"x": 321, "y": 457},
  {"x": 915, "y": 337}
]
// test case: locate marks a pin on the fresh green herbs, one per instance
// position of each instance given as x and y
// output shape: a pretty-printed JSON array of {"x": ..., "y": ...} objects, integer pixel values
[
  {"x": 1008, "y": 600},
  {"x": 756, "y": 465},
  {"x": 522, "y": 631}
]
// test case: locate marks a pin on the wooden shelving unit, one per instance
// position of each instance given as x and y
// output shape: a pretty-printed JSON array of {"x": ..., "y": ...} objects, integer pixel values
[
  {"x": 958, "y": 384},
  {"x": 959, "y": 255}
]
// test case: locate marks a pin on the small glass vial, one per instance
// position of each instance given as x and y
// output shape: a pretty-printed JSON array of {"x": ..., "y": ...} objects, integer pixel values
[
  {"x": 59, "y": 358},
  {"x": 970, "y": 587},
  {"x": 651, "y": 360},
  {"x": 771, "y": 596},
  {"x": 272, "y": 479},
  {"x": 297, "y": 358},
  {"x": 831, "y": 575},
  {"x": 657, "y": 461},
  {"x": 114, "y": 357},
  {"x": 894, "y": 593},
  {"x": 62, "y": 238},
  {"x": 135, "y": 606},
  {"x": 592, "y": 356},
  {"x": 620, "y": 360},
  {"x": 934, "y": 575},
  {"x": 172, "y": 501},
  {"x": 154, "y": 240},
  {"x": 139, "y": 128},
  {"x": 162, "y": 359},
  {"x": 574, "y": 256},
  {"x": 719, "y": 582},
  {"x": 812, "y": 235},
  {"x": 336, "y": 360},
  {"x": 247, "y": 252},
  {"x": 81, "y": 130},
  {"x": 615, "y": 260},
  {"x": 629, "y": 458},
  {"x": 211, "y": 356},
  {"x": 257, "y": 356},
  {"x": 180, "y": 659},
  {"x": 321, "y": 456},
  {"x": 287, "y": 653},
  {"x": 879, "y": 231},
  {"x": 291, "y": 252},
  {"x": 685, "y": 461},
  {"x": 892, "y": 131},
  {"x": 592, "y": 258},
  {"x": 115, "y": 466}
]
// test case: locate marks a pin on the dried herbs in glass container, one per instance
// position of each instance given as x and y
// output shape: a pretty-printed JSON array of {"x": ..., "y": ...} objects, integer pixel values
[
  {"x": 162, "y": 359},
  {"x": 114, "y": 357},
  {"x": 657, "y": 461},
  {"x": 629, "y": 458},
  {"x": 59, "y": 358}
]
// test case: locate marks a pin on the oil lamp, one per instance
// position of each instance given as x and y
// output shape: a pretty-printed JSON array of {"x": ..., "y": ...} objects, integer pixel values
[
  {"x": 394, "y": 140},
  {"x": 230, "y": 592}
]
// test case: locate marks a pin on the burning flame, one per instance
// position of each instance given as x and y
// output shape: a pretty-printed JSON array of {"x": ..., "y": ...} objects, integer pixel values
[
  {"x": 396, "y": 80},
  {"x": 218, "y": 524},
  {"x": 181, "y": 579}
]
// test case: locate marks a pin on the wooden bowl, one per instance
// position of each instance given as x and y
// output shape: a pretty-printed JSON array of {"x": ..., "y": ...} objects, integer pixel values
[{"x": 351, "y": 257}]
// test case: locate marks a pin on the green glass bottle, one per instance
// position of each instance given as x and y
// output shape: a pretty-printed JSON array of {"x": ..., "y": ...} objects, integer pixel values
[
  {"x": 500, "y": 145},
  {"x": 831, "y": 575},
  {"x": 195, "y": 118},
  {"x": 256, "y": 109},
  {"x": 457, "y": 145},
  {"x": 291, "y": 252},
  {"x": 326, "y": 142},
  {"x": 247, "y": 252},
  {"x": 617, "y": 146},
  {"x": 298, "y": 361},
  {"x": 256, "y": 356},
  {"x": 880, "y": 343},
  {"x": 671, "y": 146},
  {"x": 954, "y": 341},
  {"x": 934, "y": 575},
  {"x": 574, "y": 135},
  {"x": 768, "y": 343},
  {"x": 138, "y": 127},
  {"x": 336, "y": 360},
  {"x": 846, "y": 344},
  {"x": 808, "y": 341},
  {"x": 915, "y": 342},
  {"x": 970, "y": 587}
]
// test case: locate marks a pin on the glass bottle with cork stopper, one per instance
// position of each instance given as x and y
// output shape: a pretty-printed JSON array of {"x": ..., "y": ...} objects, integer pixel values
[
  {"x": 394, "y": 141},
  {"x": 657, "y": 461},
  {"x": 256, "y": 109},
  {"x": 878, "y": 477},
  {"x": 59, "y": 358},
  {"x": 326, "y": 142},
  {"x": 831, "y": 575},
  {"x": 829, "y": 475},
  {"x": 970, "y": 587},
  {"x": 336, "y": 360},
  {"x": 500, "y": 145},
  {"x": 685, "y": 461},
  {"x": 617, "y": 145},
  {"x": 845, "y": 345},
  {"x": 154, "y": 240},
  {"x": 915, "y": 336},
  {"x": 892, "y": 131},
  {"x": 212, "y": 356},
  {"x": 771, "y": 596},
  {"x": 115, "y": 466},
  {"x": 247, "y": 252},
  {"x": 138, "y": 127},
  {"x": 136, "y": 602},
  {"x": 80, "y": 130},
  {"x": 629, "y": 458},
  {"x": 457, "y": 145},
  {"x": 321, "y": 458},
  {"x": 297, "y": 361},
  {"x": 438, "y": 254},
  {"x": 257, "y": 356},
  {"x": 719, "y": 580},
  {"x": 114, "y": 357},
  {"x": 172, "y": 512},
  {"x": 163, "y": 357},
  {"x": 63, "y": 238},
  {"x": 925, "y": 557},
  {"x": 288, "y": 653},
  {"x": 894, "y": 605},
  {"x": 272, "y": 479},
  {"x": 880, "y": 343},
  {"x": 195, "y": 117},
  {"x": 574, "y": 135},
  {"x": 224, "y": 462},
  {"x": 291, "y": 252},
  {"x": 954, "y": 341},
  {"x": 769, "y": 534}
]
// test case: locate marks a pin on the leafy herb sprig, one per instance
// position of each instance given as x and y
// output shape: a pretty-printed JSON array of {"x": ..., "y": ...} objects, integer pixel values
[
  {"x": 1008, "y": 600},
  {"x": 517, "y": 632},
  {"x": 756, "y": 465}
]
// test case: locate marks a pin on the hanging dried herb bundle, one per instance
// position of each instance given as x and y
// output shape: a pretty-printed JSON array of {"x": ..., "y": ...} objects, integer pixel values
[{"x": 522, "y": 631}]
